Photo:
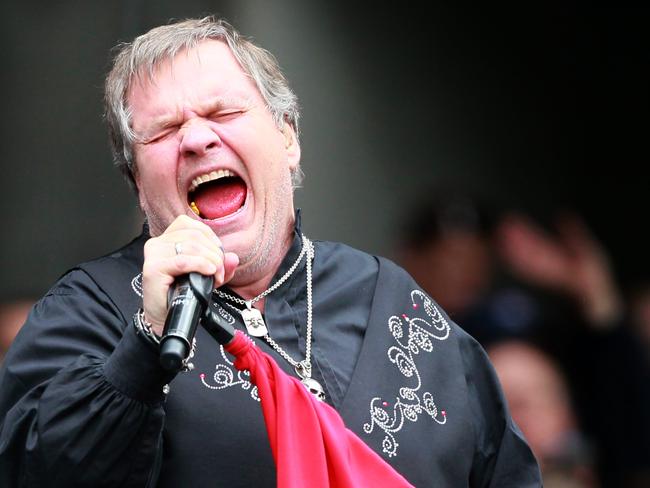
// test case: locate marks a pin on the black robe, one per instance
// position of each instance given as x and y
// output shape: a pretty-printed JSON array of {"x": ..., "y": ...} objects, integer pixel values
[{"x": 82, "y": 402}]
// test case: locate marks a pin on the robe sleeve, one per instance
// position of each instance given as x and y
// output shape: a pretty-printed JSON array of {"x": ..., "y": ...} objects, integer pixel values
[
  {"x": 81, "y": 401},
  {"x": 502, "y": 457}
]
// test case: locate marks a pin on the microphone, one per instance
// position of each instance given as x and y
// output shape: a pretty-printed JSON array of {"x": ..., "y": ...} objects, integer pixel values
[{"x": 188, "y": 300}]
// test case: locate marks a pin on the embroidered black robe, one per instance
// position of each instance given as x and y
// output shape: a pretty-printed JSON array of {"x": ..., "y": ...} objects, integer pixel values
[{"x": 82, "y": 402}]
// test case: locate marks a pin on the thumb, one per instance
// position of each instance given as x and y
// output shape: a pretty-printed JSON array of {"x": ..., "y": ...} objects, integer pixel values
[{"x": 230, "y": 263}]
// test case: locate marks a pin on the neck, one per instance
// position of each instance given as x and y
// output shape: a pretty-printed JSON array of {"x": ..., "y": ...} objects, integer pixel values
[{"x": 250, "y": 288}]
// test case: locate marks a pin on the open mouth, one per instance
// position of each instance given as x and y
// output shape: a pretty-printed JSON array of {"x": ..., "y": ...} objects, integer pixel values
[{"x": 217, "y": 194}]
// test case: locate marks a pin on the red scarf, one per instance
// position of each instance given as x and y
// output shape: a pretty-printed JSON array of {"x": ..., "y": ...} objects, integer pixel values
[{"x": 310, "y": 443}]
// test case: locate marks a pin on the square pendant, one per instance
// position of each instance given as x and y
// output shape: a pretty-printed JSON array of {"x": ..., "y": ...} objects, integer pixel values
[{"x": 254, "y": 322}]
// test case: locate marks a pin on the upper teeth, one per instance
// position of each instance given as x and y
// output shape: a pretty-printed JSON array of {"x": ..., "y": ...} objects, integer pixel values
[{"x": 215, "y": 175}]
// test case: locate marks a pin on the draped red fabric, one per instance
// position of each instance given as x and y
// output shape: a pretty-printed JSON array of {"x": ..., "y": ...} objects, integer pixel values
[{"x": 311, "y": 445}]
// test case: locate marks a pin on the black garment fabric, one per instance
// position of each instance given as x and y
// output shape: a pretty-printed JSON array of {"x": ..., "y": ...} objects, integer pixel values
[{"x": 82, "y": 402}]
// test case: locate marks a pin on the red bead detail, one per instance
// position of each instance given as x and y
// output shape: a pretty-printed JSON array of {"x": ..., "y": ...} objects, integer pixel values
[
  {"x": 405, "y": 316},
  {"x": 202, "y": 375},
  {"x": 385, "y": 404},
  {"x": 415, "y": 305},
  {"x": 444, "y": 413}
]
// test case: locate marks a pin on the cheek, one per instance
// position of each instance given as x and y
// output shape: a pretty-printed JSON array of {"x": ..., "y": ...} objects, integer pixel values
[
  {"x": 156, "y": 163},
  {"x": 253, "y": 139}
]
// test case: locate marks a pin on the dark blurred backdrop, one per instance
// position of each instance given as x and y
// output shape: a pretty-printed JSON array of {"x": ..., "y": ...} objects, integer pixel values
[{"x": 538, "y": 109}]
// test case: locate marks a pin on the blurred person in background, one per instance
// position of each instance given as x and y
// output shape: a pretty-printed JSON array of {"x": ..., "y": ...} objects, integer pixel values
[
  {"x": 540, "y": 403},
  {"x": 451, "y": 235},
  {"x": 13, "y": 314},
  {"x": 555, "y": 288},
  {"x": 595, "y": 342}
]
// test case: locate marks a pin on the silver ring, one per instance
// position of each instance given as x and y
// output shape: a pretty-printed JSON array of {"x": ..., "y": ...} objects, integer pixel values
[{"x": 178, "y": 248}]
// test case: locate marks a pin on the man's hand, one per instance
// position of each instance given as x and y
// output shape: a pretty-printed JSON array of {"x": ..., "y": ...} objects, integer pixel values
[{"x": 200, "y": 251}]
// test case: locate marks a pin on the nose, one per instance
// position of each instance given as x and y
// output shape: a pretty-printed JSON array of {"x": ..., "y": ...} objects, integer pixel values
[{"x": 198, "y": 138}]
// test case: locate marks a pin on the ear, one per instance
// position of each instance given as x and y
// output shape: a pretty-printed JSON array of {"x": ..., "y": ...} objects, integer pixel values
[{"x": 291, "y": 145}]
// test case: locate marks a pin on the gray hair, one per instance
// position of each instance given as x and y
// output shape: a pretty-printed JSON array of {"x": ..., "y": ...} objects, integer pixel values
[{"x": 147, "y": 51}]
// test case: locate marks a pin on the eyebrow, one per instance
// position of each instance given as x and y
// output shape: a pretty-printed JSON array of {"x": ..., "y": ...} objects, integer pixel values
[{"x": 218, "y": 103}]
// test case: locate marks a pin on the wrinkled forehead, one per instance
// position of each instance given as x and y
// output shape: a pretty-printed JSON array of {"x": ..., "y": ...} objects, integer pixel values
[
  {"x": 166, "y": 62},
  {"x": 191, "y": 78}
]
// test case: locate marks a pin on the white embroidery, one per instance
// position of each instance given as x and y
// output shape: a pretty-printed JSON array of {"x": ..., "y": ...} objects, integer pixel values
[
  {"x": 409, "y": 405},
  {"x": 136, "y": 284},
  {"x": 223, "y": 313},
  {"x": 226, "y": 375}
]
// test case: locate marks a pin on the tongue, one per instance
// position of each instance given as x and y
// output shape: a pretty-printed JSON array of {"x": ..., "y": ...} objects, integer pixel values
[{"x": 219, "y": 198}]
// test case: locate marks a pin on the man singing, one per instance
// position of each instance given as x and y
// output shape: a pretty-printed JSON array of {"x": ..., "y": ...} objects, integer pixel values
[{"x": 205, "y": 127}]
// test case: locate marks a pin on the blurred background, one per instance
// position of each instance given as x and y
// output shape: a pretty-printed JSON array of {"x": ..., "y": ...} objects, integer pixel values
[{"x": 525, "y": 129}]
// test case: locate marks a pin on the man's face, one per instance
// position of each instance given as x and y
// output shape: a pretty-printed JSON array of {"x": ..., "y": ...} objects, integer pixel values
[{"x": 202, "y": 118}]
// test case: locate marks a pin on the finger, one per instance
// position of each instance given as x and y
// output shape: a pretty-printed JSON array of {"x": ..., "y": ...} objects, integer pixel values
[
  {"x": 194, "y": 248},
  {"x": 161, "y": 258},
  {"x": 183, "y": 222},
  {"x": 166, "y": 269},
  {"x": 185, "y": 236},
  {"x": 577, "y": 235}
]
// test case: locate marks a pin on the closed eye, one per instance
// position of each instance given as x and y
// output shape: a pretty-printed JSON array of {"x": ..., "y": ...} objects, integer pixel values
[
  {"x": 226, "y": 115},
  {"x": 161, "y": 135}
]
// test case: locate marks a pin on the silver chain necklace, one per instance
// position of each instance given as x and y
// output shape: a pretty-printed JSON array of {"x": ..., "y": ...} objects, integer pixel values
[{"x": 256, "y": 327}]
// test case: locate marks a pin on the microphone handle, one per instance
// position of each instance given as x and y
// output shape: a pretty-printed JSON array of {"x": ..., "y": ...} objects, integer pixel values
[{"x": 188, "y": 300}]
